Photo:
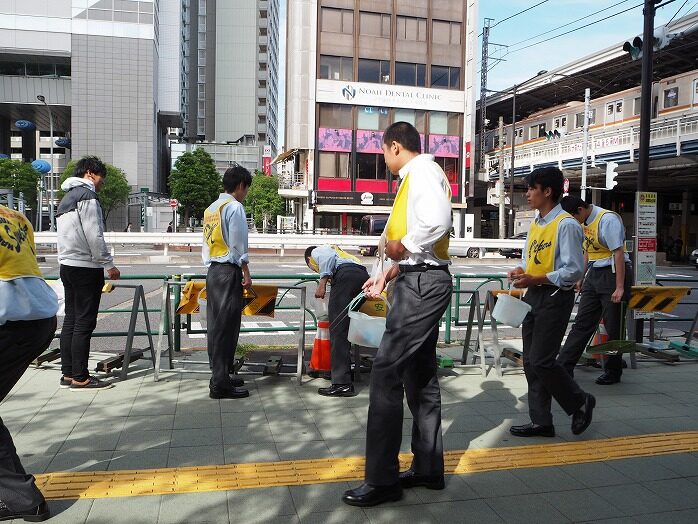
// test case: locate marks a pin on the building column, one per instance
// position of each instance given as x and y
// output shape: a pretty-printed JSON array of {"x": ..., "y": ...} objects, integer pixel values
[{"x": 685, "y": 217}]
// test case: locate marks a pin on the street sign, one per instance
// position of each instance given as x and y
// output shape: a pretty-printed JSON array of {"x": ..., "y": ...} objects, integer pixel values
[
  {"x": 173, "y": 203},
  {"x": 145, "y": 190},
  {"x": 646, "y": 254},
  {"x": 566, "y": 186}
]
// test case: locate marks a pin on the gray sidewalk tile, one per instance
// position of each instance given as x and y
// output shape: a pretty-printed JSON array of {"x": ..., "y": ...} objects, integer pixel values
[
  {"x": 456, "y": 489},
  {"x": 247, "y": 434},
  {"x": 195, "y": 456},
  {"x": 467, "y": 423},
  {"x": 596, "y": 474},
  {"x": 391, "y": 515},
  {"x": 186, "y": 420},
  {"x": 314, "y": 498},
  {"x": 344, "y": 515},
  {"x": 150, "y": 459},
  {"x": 687, "y": 516},
  {"x": 678, "y": 493},
  {"x": 642, "y": 469},
  {"x": 619, "y": 520},
  {"x": 464, "y": 512},
  {"x": 150, "y": 404},
  {"x": 68, "y": 511},
  {"x": 490, "y": 483},
  {"x": 150, "y": 422},
  {"x": 664, "y": 425},
  {"x": 295, "y": 433},
  {"x": 136, "y": 440},
  {"x": 526, "y": 509},
  {"x": 196, "y": 437},
  {"x": 347, "y": 448},
  {"x": 582, "y": 504},
  {"x": 244, "y": 418},
  {"x": 194, "y": 508},
  {"x": 632, "y": 499},
  {"x": 302, "y": 450},
  {"x": 542, "y": 480},
  {"x": 126, "y": 510},
  {"x": 250, "y": 506},
  {"x": 683, "y": 464},
  {"x": 80, "y": 461},
  {"x": 242, "y": 453},
  {"x": 98, "y": 441},
  {"x": 36, "y": 463}
]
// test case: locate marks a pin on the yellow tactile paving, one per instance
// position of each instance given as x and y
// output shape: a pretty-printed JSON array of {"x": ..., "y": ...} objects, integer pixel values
[{"x": 104, "y": 484}]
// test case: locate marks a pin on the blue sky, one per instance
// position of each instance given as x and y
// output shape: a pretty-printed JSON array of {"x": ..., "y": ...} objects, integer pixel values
[{"x": 522, "y": 65}]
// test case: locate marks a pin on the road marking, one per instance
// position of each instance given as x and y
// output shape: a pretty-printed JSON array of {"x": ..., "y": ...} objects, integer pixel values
[{"x": 198, "y": 479}]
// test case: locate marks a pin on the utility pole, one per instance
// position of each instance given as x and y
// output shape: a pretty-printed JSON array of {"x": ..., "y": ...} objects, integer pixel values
[
  {"x": 511, "y": 171},
  {"x": 483, "y": 97},
  {"x": 502, "y": 216},
  {"x": 585, "y": 146},
  {"x": 646, "y": 95}
]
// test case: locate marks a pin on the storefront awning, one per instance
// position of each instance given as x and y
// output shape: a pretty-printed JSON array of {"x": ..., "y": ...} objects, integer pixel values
[
  {"x": 362, "y": 210},
  {"x": 281, "y": 157}
]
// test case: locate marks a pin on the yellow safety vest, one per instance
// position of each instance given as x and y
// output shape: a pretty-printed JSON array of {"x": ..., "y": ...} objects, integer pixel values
[
  {"x": 396, "y": 228},
  {"x": 542, "y": 241},
  {"x": 592, "y": 245},
  {"x": 213, "y": 231},
  {"x": 340, "y": 253},
  {"x": 17, "y": 252}
]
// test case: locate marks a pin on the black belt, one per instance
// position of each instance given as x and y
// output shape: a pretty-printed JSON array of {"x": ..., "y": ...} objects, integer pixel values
[{"x": 420, "y": 268}]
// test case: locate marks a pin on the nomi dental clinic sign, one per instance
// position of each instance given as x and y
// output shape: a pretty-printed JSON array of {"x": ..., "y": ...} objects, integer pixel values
[{"x": 361, "y": 93}]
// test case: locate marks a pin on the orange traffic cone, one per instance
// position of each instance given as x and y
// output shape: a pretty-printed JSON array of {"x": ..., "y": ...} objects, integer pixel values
[
  {"x": 600, "y": 337},
  {"x": 320, "y": 358}
]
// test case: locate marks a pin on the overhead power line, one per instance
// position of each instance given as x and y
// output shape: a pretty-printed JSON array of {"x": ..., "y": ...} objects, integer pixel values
[
  {"x": 677, "y": 12},
  {"x": 520, "y": 12}
]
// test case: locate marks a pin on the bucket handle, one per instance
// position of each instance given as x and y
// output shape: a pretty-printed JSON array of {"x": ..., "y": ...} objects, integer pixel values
[{"x": 353, "y": 305}]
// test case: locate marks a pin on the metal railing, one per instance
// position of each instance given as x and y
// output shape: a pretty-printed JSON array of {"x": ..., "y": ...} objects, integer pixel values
[{"x": 294, "y": 181}]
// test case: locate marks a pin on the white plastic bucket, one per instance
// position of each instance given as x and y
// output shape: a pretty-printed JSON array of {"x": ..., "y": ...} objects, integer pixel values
[
  {"x": 364, "y": 330},
  {"x": 510, "y": 310}
]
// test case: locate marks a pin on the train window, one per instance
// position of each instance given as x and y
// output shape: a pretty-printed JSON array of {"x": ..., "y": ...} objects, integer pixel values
[
  {"x": 579, "y": 118},
  {"x": 619, "y": 107},
  {"x": 671, "y": 97},
  {"x": 519, "y": 132},
  {"x": 537, "y": 131},
  {"x": 636, "y": 106},
  {"x": 560, "y": 122}
]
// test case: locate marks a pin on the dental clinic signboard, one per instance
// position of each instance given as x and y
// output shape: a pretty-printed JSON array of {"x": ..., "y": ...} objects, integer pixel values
[{"x": 367, "y": 94}]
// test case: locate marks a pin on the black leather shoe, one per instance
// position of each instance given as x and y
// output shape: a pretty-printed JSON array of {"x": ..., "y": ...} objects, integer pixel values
[
  {"x": 366, "y": 495},
  {"x": 38, "y": 513},
  {"x": 410, "y": 479},
  {"x": 338, "y": 390},
  {"x": 532, "y": 430},
  {"x": 237, "y": 382},
  {"x": 233, "y": 393},
  {"x": 582, "y": 417},
  {"x": 608, "y": 378}
]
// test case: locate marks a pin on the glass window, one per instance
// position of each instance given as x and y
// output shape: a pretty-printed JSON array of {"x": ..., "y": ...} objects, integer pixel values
[
  {"x": 98, "y": 14},
  {"x": 454, "y": 78},
  {"x": 335, "y": 116},
  {"x": 126, "y": 5},
  {"x": 537, "y": 131},
  {"x": 370, "y": 166},
  {"x": 376, "y": 71},
  {"x": 333, "y": 165},
  {"x": 147, "y": 7},
  {"x": 123, "y": 16},
  {"x": 671, "y": 97},
  {"x": 455, "y": 33},
  {"x": 372, "y": 118},
  {"x": 450, "y": 167},
  {"x": 637, "y": 105},
  {"x": 12, "y": 68},
  {"x": 579, "y": 118},
  {"x": 439, "y": 76},
  {"x": 438, "y": 123},
  {"x": 374, "y": 24},
  {"x": 454, "y": 123},
  {"x": 336, "y": 67},
  {"x": 441, "y": 31},
  {"x": 405, "y": 74},
  {"x": 421, "y": 75},
  {"x": 63, "y": 69},
  {"x": 347, "y": 21},
  {"x": 331, "y": 20}
]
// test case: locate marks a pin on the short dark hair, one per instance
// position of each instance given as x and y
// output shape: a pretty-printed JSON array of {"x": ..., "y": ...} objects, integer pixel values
[
  {"x": 309, "y": 253},
  {"x": 234, "y": 176},
  {"x": 90, "y": 164},
  {"x": 571, "y": 204},
  {"x": 404, "y": 134},
  {"x": 547, "y": 177}
]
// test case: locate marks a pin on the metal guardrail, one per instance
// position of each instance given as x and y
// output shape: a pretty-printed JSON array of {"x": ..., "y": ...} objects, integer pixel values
[{"x": 458, "y": 246}]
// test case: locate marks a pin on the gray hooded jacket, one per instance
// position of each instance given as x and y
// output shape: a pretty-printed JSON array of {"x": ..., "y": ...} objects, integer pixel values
[{"x": 80, "y": 227}]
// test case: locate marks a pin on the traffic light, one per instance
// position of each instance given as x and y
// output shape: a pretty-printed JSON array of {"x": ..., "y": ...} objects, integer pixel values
[
  {"x": 611, "y": 175},
  {"x": 660, "y": 40}
]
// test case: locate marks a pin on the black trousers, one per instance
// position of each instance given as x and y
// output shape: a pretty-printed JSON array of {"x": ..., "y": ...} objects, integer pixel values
[
  {"x": 346, "y": 284},
  {"x": 406, "y": 364},
  {"x": 83, "y": 291},
  {"x": 20, "y": 343},
  {"x": 543, "y": 330},
  {"x": 223, "y": 316},
  {"x": 594, "y": 303}
]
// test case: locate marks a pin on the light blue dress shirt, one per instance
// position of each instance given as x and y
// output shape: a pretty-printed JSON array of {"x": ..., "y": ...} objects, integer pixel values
[
  {"x": 611, "y": 234},
  {"x": 328, "y": 260},
  {"x": 569, "y": 255},
  {"x": 234, "y": 226}
]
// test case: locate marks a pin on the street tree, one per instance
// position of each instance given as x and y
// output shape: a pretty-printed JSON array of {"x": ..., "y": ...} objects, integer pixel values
[
  {"x": 263, "y": 199},
  {"x": 19, "y": 177},
  {"x": 114, "y": 193},
  {"x": 195, "y": 183}
]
